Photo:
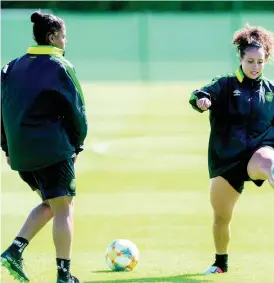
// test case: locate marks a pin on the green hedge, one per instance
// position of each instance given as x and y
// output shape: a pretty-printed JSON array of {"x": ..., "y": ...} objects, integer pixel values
[{"x": 133, "y": 6}]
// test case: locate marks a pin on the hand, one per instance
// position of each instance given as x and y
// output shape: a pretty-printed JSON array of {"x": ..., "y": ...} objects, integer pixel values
[{"x": 203, "y": 103}]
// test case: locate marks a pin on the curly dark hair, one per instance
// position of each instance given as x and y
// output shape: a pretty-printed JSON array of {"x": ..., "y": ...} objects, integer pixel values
[
  {"x": 43, "y": 25},
  {"x": 254, "y": 36}
]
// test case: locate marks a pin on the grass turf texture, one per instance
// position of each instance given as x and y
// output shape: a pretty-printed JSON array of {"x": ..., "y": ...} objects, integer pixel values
[{"x": 143, "y": 177}]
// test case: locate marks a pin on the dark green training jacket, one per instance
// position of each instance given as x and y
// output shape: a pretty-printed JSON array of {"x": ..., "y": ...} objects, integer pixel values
[
  {"x": 241, "y": 118},
  {"x": 43, "y": 117}
]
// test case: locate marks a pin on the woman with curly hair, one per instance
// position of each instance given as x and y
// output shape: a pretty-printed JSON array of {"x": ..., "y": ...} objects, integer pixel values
[{"x": 241, "y": 143}]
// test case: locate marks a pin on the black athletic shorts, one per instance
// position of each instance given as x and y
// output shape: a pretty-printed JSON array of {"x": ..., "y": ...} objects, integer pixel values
[
  {"x": 237, "y": 175},
  {"x": 53, "y": 181}
]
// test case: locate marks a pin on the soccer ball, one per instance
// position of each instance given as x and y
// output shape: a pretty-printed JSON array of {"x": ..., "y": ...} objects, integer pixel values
[{"x": 122, "y": 255}]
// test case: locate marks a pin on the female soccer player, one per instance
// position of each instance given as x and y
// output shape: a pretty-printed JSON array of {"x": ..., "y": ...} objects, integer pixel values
[
  {"x": 43, "y": 129},
  {"x": 241, "y": 144}
]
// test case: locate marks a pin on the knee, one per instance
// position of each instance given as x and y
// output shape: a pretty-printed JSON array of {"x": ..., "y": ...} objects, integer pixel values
[
  {"x": 46, "y": 208},
  {"x": 265, "y": 162},
  {"x": 259, "y": 165},
  {"x": 221, "y": 219}
]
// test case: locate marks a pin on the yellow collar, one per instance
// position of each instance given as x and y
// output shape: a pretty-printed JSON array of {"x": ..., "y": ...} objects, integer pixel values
[
  {"x": 45, "y": 50},
  {"x": 240, "y": 75}
]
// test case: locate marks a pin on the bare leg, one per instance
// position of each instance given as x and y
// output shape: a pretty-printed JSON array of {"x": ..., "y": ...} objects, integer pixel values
[
  {"x": 12, "y": 257},
  {"x": 261, "y": 165},
  {"x": 36, "y": 220},
  {"x": 223, "y": 199},
  {"x": 62, "y": 208}
]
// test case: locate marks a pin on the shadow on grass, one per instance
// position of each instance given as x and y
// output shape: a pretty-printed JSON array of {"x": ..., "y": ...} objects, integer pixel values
[{"x": 184, "y": 278}]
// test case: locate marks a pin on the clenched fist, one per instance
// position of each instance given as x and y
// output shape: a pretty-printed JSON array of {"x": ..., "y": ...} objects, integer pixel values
[{"x": 203, "y": 103}]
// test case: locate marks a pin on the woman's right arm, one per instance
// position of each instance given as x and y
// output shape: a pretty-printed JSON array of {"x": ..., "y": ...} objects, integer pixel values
[{"x": 206, "y": 97}]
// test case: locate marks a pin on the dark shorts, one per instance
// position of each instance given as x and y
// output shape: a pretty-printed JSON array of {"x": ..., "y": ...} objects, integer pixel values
[
  {"x": 53, "y": 181},
  {"x": 237, "y": 175}
]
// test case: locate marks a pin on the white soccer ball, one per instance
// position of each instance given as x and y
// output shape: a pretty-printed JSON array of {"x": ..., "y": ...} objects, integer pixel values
[{"x": 122, "y": 255}]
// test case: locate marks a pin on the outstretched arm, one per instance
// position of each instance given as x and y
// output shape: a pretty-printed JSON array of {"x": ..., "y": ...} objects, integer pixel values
[{"x": 204, "y": 98}]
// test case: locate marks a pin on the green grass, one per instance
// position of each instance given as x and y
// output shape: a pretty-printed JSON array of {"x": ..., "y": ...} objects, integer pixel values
[{"x": 144, "y": 177}]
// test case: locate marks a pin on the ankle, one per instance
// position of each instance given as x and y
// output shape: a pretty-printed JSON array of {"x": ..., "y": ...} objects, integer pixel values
[
  {"x": 63, "y": 268},
  {"x": 221, "y": 260},
  {"x": 18, "y": 246}
]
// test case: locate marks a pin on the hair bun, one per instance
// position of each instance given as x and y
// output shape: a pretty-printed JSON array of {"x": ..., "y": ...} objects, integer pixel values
[{"x": 36, "y": 17}]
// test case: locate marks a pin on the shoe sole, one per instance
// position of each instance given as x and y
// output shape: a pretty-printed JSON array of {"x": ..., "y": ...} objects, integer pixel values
[{"x": 5, "y": 263}]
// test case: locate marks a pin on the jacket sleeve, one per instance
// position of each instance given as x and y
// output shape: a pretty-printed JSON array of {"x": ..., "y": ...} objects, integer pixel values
[
  {"x": 210, "y": 91},
  {"x": 4, "y": 74},
  {"x": 73, "y": 108},
  {"x": 4, "y": 144}
]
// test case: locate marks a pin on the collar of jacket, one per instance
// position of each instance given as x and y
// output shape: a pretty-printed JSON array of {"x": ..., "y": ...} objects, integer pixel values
[
  {"x": 45, "y": 50},
  {"x": 242, "y": 78}
]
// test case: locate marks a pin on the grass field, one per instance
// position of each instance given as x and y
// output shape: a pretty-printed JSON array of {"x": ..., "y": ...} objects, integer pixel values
[{"x": 144, "y": 177}]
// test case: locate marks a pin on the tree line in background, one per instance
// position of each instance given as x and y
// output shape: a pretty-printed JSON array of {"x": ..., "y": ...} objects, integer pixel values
[{"x": 135, "y": 6}]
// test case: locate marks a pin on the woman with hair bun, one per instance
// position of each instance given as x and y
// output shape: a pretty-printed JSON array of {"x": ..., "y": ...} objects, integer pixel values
[
  {"x": 48, "y": 30},
  {"x": 43, "y": 128},
  {"x": 241, "y": 143}
]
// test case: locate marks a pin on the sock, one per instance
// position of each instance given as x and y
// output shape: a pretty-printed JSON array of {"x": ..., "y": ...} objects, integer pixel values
[
  {"x": 221, "y": 261},
  {"x": 18, "y": 246},
  {"x": 63, "y": 268}
]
